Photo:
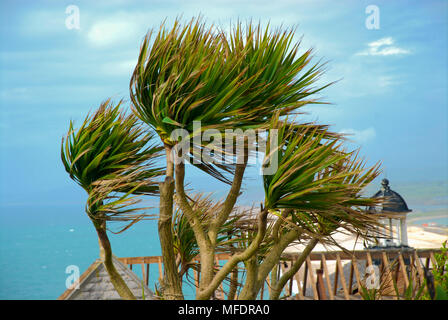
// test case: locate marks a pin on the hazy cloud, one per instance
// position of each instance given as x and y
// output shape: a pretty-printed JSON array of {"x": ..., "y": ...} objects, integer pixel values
[{"x": 383, "y": 47}]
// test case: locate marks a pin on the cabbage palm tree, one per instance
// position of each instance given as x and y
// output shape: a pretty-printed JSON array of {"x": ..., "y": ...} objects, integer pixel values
[
  {"x": 111, "y": 158},
  {"x": 193, "y": 73},
  {"x": 249, "y": 78},
  {"x": 315, "y": 191}
]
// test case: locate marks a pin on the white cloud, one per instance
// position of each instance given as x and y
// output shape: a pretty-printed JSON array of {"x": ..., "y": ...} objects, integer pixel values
[
  {"x": 359, "y": 136},
  {"x": 106, "y": 32},
  {"x": 381, "y": 42},
  {"x": 383, "y": 47}
]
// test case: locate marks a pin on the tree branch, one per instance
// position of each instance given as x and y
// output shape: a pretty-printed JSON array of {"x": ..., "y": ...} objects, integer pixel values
[
  {"x": 233, "y": 261},
  {"x": 275, "y": 291},
  {"x": 232, "y": 196}
]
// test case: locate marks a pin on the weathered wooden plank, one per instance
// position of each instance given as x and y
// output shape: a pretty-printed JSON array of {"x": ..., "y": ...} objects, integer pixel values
[
  {"x": 147, "y": 274},
  {"x": 139, "y": 260},
  {"x": 433, "y": 259},
  {"x": 314, "y": 256},
  {"x": 327, "y": 276},
  {"x": 320, "y": 285},
  {"x": 299, "y": 287},
  {"x": 387, "y": 269},
  {"x": 341, "y": 270},
  {"x": 419, "y": 267},
  {"x": 336, "y": 278},
  {"x": 369, "y": 258},
  {"x": 312, "y": 279},
  {"x": 356, "y": 270},
  {"x": 305, "y": 277},
  {"x": 350, "y": 281},
  {"x": 143, "y": 272},
  {"x": 403, "y": 270}
]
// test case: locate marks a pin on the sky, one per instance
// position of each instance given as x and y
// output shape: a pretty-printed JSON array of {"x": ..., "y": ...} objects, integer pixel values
[{"x": 390, "y": 94}]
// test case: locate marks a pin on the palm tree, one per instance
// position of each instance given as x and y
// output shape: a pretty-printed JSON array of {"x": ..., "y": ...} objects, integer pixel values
[
  {"x": 193, "y": 73},
  {"x": 315, "y": 191},
  {"x": 109, "y": 156}
]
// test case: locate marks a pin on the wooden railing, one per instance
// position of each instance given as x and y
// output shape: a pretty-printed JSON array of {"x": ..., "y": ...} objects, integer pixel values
[{"x": 331, "y": 275}]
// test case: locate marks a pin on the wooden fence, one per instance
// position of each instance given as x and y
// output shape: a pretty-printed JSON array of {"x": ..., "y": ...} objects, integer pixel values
[{"x": 332, "y": 275}]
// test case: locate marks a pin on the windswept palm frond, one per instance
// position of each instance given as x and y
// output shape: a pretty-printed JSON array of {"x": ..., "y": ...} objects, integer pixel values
[
  {"x": 191, "y": 73},
  {"x": 111, "y": 158},
  {"x": 318, "y": 181},
  {"x": 271, "y": 57}
]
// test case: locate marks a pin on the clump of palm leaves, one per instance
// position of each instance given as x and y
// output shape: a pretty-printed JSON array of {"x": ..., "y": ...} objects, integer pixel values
[
  {"x": 110, "y": 155},
  {"x": 111, "y": 158},
  {"x": 317, "y": 182}
]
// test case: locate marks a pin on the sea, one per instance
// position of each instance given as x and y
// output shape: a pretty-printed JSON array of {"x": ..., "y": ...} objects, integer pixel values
[{"x": 39, "y": 243}]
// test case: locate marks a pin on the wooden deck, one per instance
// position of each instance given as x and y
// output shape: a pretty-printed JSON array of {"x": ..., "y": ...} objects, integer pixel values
[{"x": 332, "y": 275}]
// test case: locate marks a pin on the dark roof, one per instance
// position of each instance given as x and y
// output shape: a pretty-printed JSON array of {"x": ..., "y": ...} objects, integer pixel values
[
  {"x": 95, "y": 284},
  {"x": 393, "y": 202}
]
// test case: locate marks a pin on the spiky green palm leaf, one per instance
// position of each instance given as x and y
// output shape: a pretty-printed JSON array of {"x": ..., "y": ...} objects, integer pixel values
[
  {"x": 317, "y": 181},
  {"x": 192, "y": 73},
  {"x": 111, "y": 158},
  {"x": 272, "y": 58}
]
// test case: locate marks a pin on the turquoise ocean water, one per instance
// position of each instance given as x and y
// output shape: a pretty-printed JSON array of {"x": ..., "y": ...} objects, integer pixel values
[{"x": 38, "y": 243}]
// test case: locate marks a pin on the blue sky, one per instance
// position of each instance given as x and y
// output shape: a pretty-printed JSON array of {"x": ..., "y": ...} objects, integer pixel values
[{"x": 392, "y": 93}]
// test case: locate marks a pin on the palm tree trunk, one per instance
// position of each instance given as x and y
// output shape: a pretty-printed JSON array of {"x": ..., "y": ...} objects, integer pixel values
[
  {"x": 172, "y": 287},
  {"x": 250, "y": 289},
  {"x": 106, "y": 253}
]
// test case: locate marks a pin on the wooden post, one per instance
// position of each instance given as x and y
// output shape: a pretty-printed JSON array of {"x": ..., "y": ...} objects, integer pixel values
[
  {"x": 356, "y": 270},
  {"x": 305, "y": 276},
  {"x": 147, "y": 273},
  {"x": 320, "y": 285},
  {"x": 350, "y": 281},
  {"x": 312, "y": 280},
  {"x": 291, "y": 280},
  {"x": 341, "y": 270},
  {"x": 403, "y": 270},
  {"x": 336, "y": 278},
  {"x": 419, "y": 267},
  {"x": 388, "y": 270},
  {"x": 143, "y": 272},
  {"x": 327, "y": 276},
  {"x": 299, "y": 287},
  {"x": 433, "y": 259}
]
